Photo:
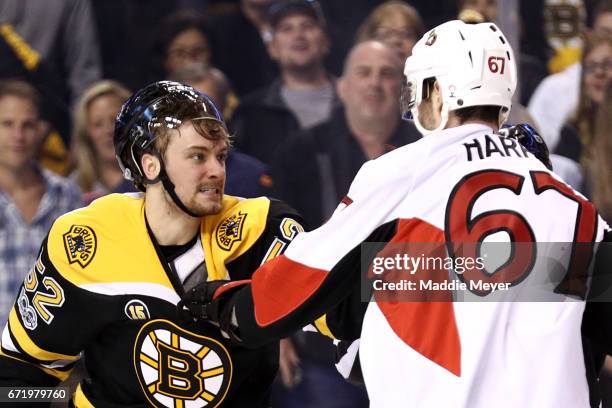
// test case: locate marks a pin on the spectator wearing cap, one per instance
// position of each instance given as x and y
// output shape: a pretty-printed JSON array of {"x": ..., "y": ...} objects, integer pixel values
[{"x": 302, "y": 96}]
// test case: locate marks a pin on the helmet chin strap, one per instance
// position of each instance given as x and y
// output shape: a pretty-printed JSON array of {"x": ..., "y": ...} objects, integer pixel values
[
  {"x": 424, "y": 131},
  {"x": 169, "y": 187}
]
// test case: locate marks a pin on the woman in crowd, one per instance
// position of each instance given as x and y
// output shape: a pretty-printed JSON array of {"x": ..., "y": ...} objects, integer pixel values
[
  {"x": 182, "y": 41},
  {"x": 578, "y": 134},
  {"x": 97, "y": 171},
  {"x": 394, "y": 23}
]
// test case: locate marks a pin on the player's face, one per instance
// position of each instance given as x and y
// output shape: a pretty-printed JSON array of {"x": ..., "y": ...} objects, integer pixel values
[
  {"x": 299, "y": 43},
  {"x": 20, "y": 133},
  {"x": 101, "y": 114},
  {"x": 370, "y": 86},
  {"x": 196, "y": 166},
  {"x": 598, "y": 72},
  {"x": 189, "y": 47}
]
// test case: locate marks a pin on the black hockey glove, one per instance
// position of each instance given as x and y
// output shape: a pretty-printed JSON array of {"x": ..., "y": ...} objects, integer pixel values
[
  {"x": 530, "y": 140},
  {"x": 210, "y": 301}
]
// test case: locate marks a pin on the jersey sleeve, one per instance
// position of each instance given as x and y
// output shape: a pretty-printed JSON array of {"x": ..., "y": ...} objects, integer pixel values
[
  {"x": 283, "y": 226},
  {"x": 280, "y": 225},
  {"x": 49, "y": 324},
  {"x": 319, "y": 270}
]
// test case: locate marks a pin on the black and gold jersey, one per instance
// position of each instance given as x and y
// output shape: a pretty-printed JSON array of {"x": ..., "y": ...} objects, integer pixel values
[{"x": 99, "y": 289}]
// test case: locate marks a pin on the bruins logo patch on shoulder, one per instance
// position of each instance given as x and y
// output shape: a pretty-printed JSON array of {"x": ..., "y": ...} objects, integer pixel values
[
  {"x": 230, "y": 231},
  {"x": 178, "y": 368},
  {"x": 80, "y": 244}
]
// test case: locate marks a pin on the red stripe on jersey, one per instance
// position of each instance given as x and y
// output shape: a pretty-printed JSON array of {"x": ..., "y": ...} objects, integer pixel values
[
  {"x": 346, "y": 200},
  {"x": 427, "y": 327},
  {"x": 280, "y": 286}
]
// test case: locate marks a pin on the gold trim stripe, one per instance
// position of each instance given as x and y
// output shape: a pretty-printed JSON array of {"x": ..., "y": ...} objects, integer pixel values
[
  {"x": 80, "y": 400},
  {"x": 321, "y": 325},
  {"x": 29, "y": 346},
  {"x": 62, "y": 375}
]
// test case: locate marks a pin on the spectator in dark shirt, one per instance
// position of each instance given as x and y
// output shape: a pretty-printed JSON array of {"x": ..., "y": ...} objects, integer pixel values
[{"x": 302, "y": 96}]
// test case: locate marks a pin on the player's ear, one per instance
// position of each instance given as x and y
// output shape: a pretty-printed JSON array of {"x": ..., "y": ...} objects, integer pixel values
[
  {"x": 436, "y": 95},
  {"x": 151, "y": 166}
]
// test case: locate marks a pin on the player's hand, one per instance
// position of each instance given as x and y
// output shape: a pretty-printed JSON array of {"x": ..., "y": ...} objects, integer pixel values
[
  {"x": 531, "y": 140},
  {"x": 209, "y": 301}
]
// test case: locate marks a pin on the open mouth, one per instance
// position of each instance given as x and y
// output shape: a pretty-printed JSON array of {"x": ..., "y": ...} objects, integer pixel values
[{"x": 209, "y": 190}]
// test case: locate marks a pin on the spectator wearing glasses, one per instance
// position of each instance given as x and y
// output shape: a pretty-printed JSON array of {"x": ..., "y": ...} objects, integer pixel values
[
  {"x": 183, "y": 41},
  {"x": 596, "y": 76},
  {"x": 394, "y": 23},
  {"x": 578, "y": 134}
]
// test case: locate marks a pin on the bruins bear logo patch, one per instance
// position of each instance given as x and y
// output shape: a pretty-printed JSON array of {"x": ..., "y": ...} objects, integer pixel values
[
  {"x": 177, "y": 368},
  {"x": 230, "y": 231},
  {"x": 80, "y": 244}
]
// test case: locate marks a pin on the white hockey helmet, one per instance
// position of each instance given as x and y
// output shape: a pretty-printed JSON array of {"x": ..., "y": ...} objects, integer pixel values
[{"x": 473, "y": 63}]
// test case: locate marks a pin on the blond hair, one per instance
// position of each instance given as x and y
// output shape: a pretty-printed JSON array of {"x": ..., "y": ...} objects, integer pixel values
[{"x": 87, "y": 163}]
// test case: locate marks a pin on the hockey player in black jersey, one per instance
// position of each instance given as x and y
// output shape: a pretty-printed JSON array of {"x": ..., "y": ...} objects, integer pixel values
[{"x": 109, "y": 276}]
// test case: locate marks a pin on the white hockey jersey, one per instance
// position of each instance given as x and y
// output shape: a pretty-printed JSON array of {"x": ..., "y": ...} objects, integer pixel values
[{"x": 460, "y": 185}]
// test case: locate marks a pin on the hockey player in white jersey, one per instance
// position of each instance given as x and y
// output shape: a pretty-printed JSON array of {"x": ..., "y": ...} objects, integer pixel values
[{"x": 463, "y": 182}]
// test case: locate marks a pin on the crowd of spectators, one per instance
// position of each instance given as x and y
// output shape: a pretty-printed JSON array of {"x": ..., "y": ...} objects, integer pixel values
[{"x": 310, "y": 91}]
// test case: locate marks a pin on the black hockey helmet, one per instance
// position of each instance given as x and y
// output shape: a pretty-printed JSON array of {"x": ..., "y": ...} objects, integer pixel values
[{"x": 156, "y": 106}]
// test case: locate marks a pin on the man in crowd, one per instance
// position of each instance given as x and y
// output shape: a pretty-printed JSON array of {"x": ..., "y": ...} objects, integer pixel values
[
  {"x": 31, "y": 198},
  {"x": 304, "y": 94}
]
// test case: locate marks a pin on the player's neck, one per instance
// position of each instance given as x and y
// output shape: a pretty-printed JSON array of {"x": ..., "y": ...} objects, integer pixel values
[
  {"x": 169, "y": 224},
  {"x": 453, "y": 121}
]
